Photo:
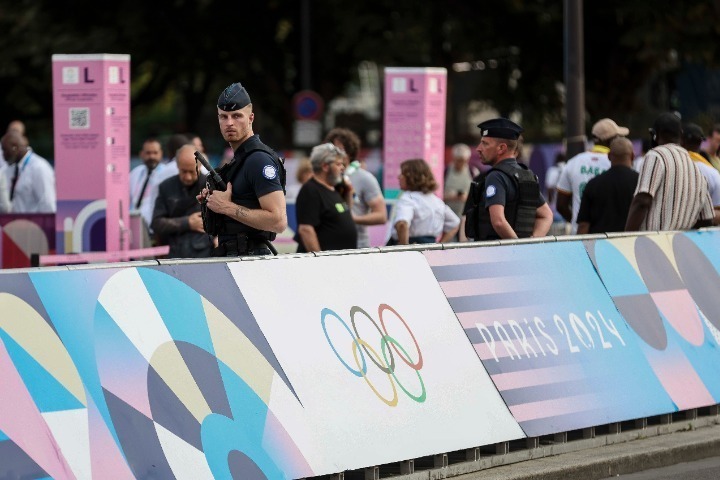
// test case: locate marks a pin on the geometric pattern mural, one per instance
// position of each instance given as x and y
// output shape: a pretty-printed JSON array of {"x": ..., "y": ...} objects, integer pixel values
[
  {"x": 23, "y": 235},
  {"x": 667, "y": 291},
  {"x": 183, "y": 393}
]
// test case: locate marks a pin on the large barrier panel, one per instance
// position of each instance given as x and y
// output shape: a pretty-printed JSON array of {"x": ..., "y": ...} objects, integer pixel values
[
  {"x": 549, "y": 335},
  {"x": 301, "y": 366},
  {"x": 568, "y": 348},
  {"x": 666, "y": 287},
  {"x": 376, "y": 356}
]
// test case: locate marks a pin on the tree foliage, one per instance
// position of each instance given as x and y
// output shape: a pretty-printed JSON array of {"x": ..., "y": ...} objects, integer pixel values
[{"x": 185, "y": 51}]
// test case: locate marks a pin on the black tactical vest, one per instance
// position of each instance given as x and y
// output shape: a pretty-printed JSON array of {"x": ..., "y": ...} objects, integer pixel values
[
  {"x": 223, "y": 225},
  {"x": 519, "y": 213}
]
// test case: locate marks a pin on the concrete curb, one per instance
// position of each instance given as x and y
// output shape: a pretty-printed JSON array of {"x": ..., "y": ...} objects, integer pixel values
[
  {"x": 596, "y": 458},
  {"x": 612, "y": 460}
]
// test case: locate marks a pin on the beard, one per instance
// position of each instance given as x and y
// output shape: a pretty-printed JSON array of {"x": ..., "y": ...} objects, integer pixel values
[{"x": 334, "y": 179}]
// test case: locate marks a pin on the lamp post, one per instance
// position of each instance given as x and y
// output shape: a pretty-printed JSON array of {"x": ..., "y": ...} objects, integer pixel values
[{"x": 574, "y": 77}]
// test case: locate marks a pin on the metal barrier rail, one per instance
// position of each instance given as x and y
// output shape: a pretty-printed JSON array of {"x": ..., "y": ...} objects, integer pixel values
[
  {"x": 129, "y": 255},
  {"x": 91, "y": 257}
]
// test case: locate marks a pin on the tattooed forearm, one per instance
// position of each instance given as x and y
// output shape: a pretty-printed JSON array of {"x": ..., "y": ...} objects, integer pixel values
[{"x": 241, "y": 212}]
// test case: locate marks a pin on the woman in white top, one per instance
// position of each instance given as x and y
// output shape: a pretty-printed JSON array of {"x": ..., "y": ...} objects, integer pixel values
[{"x": 421, "y": 216}]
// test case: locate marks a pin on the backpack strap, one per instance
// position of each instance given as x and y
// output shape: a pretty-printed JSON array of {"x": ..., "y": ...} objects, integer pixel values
[
  {"x": 277, "y": 160},
  {"x": 509, "y": 171}
]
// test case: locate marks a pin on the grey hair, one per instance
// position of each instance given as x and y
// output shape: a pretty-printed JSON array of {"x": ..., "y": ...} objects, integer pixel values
[
  {"x": 461, "y": 150},
  {"x": 324, "y": 153}
]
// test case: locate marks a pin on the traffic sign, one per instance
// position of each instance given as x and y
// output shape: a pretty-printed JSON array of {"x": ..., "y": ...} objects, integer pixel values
[{"x": 308, "y": 105}]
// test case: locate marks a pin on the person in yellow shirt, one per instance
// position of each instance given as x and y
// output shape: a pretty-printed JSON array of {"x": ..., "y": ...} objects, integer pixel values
[
  {"x": 692, "y": 138},
  {"x": 713, "y": 146}
]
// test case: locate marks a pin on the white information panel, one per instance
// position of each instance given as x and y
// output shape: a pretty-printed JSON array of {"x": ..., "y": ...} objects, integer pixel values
[{"x": 382, "y": 367}]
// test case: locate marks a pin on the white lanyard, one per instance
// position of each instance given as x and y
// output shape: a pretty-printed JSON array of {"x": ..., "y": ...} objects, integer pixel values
[{"x": 24, "y": 161}]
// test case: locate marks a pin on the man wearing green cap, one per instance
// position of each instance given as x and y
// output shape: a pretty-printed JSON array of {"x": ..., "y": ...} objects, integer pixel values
[
  {"x": 251, "y": 211},
  {"x": 506, "y": 202}
]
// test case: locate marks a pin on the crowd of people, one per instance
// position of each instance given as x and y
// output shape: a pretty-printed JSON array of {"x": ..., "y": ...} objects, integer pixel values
[{"x": 671, "y": 185}]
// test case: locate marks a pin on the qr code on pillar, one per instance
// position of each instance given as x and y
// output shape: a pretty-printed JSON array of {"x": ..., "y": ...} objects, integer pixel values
[{"x": 80, "y": 117}]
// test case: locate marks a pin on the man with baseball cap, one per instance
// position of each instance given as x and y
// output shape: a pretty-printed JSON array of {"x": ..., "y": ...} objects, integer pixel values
[
  {"x": 251, "y": 211},
  {"x": 580, "y": 169},
  {"x": 506, "y": 201}
]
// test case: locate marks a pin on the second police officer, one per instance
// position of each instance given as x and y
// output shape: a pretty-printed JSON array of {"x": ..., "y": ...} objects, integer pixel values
[
  {"x": 251, "y": 211},
  {"x": 504, "y": 202}
]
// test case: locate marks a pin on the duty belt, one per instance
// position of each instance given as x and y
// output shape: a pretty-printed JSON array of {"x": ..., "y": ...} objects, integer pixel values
[{"x": 240, "y": 245}]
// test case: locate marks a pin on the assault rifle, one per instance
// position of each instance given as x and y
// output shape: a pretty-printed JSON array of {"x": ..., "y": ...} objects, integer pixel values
[
  {"x": 214, "y": 182},
  {"x": 212, "y": 222}
]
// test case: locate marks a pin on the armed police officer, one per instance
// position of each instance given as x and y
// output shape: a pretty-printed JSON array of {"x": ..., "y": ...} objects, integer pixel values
[
  {"x": 506, "y": 201},
  {"x": 251, "y": 211}
]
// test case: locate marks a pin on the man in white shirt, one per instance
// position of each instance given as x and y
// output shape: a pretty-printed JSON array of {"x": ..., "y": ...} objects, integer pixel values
[
  {"x": 142, "y": 176},
  {"x": 583, "y": 167},
  {"x": 30, "y": 177}
]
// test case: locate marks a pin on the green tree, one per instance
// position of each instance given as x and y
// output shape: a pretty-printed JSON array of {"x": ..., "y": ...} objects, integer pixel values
[{"x": 185, "y": 51}]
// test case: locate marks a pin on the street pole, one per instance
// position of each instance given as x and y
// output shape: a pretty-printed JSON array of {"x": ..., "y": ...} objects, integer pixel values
[
  {"x": 305, "y": 45},
  {"x": 574, "y": 78}
]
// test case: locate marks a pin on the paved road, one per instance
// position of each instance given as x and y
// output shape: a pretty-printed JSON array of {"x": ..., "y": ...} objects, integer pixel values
[
  {"x": 708, "y": 469},
  {"x": 698, "y": 447}
]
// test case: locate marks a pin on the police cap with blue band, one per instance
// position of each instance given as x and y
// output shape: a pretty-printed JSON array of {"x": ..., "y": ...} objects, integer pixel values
[
  {"x": 233, "y": 98},
  {"x": 500, "y": 128}
]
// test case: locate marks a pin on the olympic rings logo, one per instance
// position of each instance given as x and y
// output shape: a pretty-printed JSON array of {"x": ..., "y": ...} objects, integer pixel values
[{"x": 385, "y": 360}]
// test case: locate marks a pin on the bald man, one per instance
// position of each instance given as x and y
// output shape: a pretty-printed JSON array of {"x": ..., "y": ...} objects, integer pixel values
[
  {"x": 30, "y": 178},
  {"x": 607, "y": 197},
  {"x": 14, "y": 126},
  {"x": 176, "y": 216}
]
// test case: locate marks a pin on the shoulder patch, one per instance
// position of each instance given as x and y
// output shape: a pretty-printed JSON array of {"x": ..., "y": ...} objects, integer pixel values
[
  {"x": 490, "y": 191},
  {"x": 269, "y": 172}
]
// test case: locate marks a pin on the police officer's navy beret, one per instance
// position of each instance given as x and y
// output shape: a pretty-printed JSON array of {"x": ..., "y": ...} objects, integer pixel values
[
  {"x": 233, "y": 98},
  {"x": 500, "y": 128}
]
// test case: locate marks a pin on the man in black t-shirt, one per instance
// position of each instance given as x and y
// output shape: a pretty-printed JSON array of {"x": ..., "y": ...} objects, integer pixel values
[
  {"x": 607, "y": 197},
  {"x": 323, "y": 215}
]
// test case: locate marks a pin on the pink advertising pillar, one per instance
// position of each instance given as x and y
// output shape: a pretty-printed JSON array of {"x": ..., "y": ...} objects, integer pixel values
[
  {"x": 91, "y": 100},
  {"x": 414, "y": 122}
]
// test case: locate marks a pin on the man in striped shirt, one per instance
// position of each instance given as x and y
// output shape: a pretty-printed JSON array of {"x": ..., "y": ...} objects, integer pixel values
[{"x": 671, "y": 194}]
